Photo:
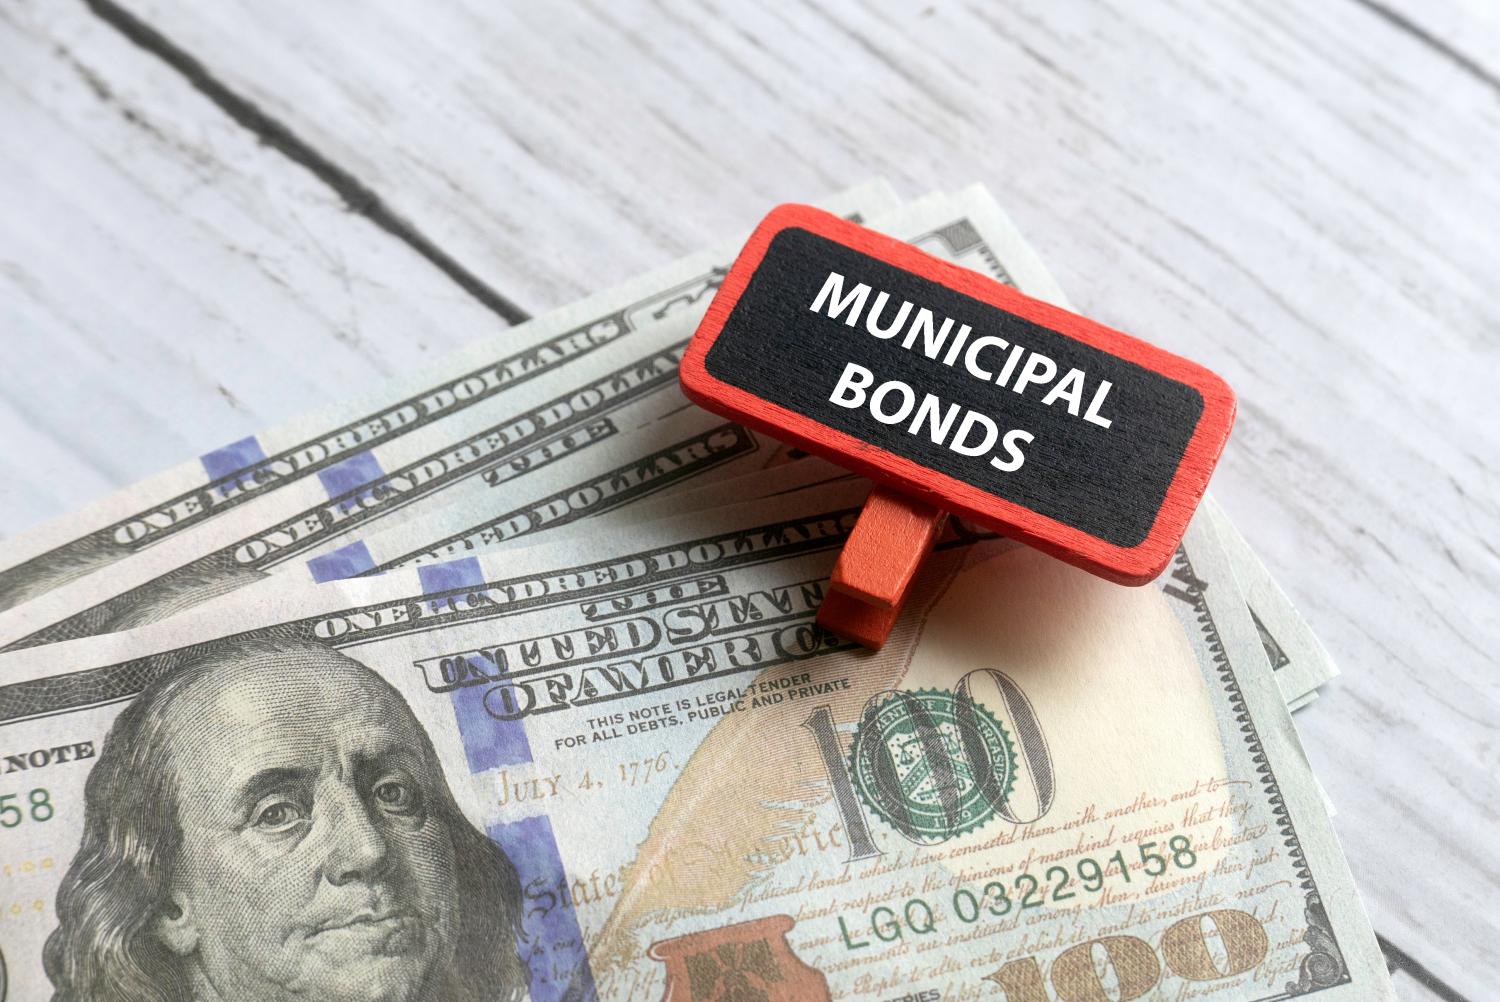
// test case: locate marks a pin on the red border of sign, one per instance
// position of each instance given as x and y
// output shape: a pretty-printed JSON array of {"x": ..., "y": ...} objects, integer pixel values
[{"x": 1127, "y": 565}]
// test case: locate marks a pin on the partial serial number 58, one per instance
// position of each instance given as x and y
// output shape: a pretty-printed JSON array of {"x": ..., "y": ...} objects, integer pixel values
[{"x": 37, "y": 807}]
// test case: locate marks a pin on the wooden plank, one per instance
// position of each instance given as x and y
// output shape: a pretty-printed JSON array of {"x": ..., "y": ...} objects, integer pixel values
[
  {"x": 1294, "y": 195},
  {"x": 168, "y": 284}
]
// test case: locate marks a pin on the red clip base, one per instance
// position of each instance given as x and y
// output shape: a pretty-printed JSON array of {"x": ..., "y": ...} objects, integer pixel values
[
  {"x": 854, "y": 620},
  {"x": 880, "y": 560}
]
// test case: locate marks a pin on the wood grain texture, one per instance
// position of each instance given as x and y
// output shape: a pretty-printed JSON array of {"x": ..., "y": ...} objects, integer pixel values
[
  {"x": 1299, "y": 196},
  {"x": 166, "y": 283}
]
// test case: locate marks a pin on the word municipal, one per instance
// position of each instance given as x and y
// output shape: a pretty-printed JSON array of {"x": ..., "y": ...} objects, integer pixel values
[{"x": 893, "y": 401}]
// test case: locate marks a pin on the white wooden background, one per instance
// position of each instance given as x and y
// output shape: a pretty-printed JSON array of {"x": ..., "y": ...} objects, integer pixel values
[{"x": 215, "y": 213}]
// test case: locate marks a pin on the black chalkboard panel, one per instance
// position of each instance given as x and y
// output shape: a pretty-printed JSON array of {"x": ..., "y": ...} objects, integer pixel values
[{"x": 1107, "y": 482}]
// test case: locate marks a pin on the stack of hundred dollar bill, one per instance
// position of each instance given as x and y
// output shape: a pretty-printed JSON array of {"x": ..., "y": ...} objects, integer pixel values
[{"x": 501, "y": 681}]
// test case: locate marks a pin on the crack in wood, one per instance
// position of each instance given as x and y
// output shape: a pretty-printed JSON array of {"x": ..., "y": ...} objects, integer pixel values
[
  {"x": 1398, "y": 959},
  {"x": 359, "y": 198},
  {"x": 1459, "y": 59}
]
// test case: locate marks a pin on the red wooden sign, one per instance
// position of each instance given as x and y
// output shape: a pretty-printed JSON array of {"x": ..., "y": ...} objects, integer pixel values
[{"x": 956, "y": 393}]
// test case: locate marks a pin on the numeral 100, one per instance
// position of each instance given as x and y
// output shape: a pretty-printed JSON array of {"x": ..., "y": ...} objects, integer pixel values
[{"x": 1186, "y": 947}]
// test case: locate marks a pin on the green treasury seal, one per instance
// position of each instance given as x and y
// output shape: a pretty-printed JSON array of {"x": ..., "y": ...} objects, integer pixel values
[{"x": 931, "y": 764}]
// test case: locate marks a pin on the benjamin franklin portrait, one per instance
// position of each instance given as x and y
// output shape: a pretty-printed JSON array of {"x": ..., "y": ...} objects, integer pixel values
[{"x": 271, "y": 822}]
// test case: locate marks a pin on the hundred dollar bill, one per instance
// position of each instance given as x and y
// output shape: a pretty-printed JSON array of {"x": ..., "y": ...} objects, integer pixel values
[
  {"x": 581, "y": 406},
  {"x": 634, "y": 769},
  {"x": 617, "y": 386},
  {"x": 1298, "y": 659},
  {"x": 664, "y": 475},
  {"x": 969, "y": 230},
  {"x": 341, "y": 445},
  {"x": 980, "y": 237}
]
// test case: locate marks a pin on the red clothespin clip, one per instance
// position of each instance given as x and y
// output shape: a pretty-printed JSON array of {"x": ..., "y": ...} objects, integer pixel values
[{"x": 954, "y": 393}]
